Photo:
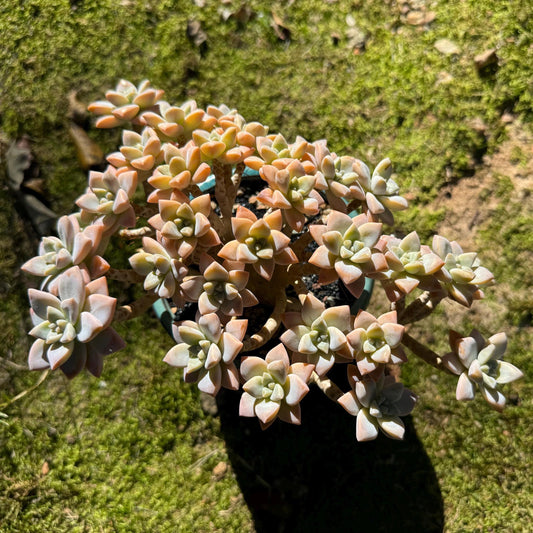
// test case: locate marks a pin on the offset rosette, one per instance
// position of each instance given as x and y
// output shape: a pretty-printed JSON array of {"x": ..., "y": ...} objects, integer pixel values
[
  {"x": 347, "y": 250},
  {"x": 291, "y": 189},
  {"x": 183, "y": 225},
  {"x": 72, "y": 246},
  {"x": 259, "y": 242},
  {"x": 462, "y": 273},
  {"x": 175, "y": 122},
  {"x": 107, "y": 200},
  {"x": 162, "y": 272},
  {"x": 206, "y": 351},
  {"x": 381, "y": 191},
  {"x": 125, "y": 104},
  {"x": 274, "y": 150},
  {"x": 377, "y": 405},
  {"x": 341, "y": 178},
  {"x": 220, "y": 288},
  {"x": 141, "y": 152},
  {"x": 72, "y": 328},
  {"x": 411, "y": 265},
  {"x": 183, "y": 167},
  {"x": 478, "y": 363},
  {"x": 376, "y": 341},
  {"x": 273, "y": 387},
  {"x": 318, "y": 335},
  {"x": 221, "y": 144}
]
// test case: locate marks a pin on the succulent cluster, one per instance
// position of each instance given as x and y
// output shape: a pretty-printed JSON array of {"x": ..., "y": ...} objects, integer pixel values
[{"x": 174, "y": 185}]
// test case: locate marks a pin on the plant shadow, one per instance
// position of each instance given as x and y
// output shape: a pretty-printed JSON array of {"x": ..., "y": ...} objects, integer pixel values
[{"x": 317, "y": 477}]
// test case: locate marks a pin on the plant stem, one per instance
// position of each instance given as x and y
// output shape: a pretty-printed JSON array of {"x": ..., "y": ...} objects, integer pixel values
[
  {"x": 136, "y": 233},
  {"x": 332, "y": 391},
  {"x": 271, "y": 325},
  {"x": 420, "y": 308},
  {"x": 124, "y": 274},
  {"x": 422, "y": 351},
  {"x": 134, "y": 309}
]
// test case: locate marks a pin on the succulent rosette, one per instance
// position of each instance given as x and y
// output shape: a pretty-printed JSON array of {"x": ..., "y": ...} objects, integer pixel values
[
  {"x": 347, "y": 250},
  {"x": 220, "y": 288},
  {"x": 377, "y": 405},
  {"x": 259, "y": 242},
  {"x": 178, "y": 122},
  {"x": 162, "y": 272},
  {"x": 317, "y": 335},
  {"x": 141, "y": 152},
  {"x": 125, "y": 103},
  {"x": 340, "y": 177},
  {"x": 274, "y": 150},
  {"x": 183, "y": 224},
  {"x": 478, "y": 362},
  {"x": 72, "y": 328},
  {"x": 376, "y": 341},
  {"x": 206, "y": 351},
  {"x": 410, "y": 265},
  {"x": 381, "y": 191},
  {"x": 462, "y": 273},
  {"x": 273, "y": 387},
  {"x": 292, "y": 190},
  {"x": 221, "y": 144},
  {"x": 107, "y": 200},
  {"x": 183, "y": 167},
  {"x": 72, "y": 246}
]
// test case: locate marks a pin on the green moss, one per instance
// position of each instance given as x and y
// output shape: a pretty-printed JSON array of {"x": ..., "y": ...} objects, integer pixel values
[{"x": 133, "y": 451}]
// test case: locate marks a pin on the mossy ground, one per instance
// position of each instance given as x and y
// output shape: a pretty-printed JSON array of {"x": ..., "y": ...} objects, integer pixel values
[{"x": 133, "y": 451}]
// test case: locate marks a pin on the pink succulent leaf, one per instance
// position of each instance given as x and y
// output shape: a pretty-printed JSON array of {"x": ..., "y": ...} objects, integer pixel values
[
  {"x": 58, "y": 353},
  {"x": 366, "y": 426},
  {"x": 266, "y": 410},
  {"x": 252, "y": 366},
  {"x": 392, "y": 426},
  {"x": 246, "y": 405},
  {"x": 36, "y": 360},
  {"x": 296, "y": 390},
  {"x": 290, "y": 414}
]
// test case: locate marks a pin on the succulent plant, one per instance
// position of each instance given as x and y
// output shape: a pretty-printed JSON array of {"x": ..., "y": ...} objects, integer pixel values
[
  {"x": 376, "y": 341},
  {"x": 175, "y": 122},
  {"x": 162, "y": 272},
  {"x": 342, "y": 180},
  {"x": 273, "y": 387},
  {"x": 107, "y": 200},
  {"x": 377, "y": 405},
  {"x": 411, "y": 265},
  {"x": 318, "y": 335},
  {"x": 381, "y": 191},
  {"x": 183, "y": 225},
  {"x": 291, "y": 190},
  {"x": 72, "y": 246},
  {"x": 221, "y": 144},
  {"x": 259, "y": 242},
  {"x": 72, "y": 328},
  {"x": 462, "y": 273},
  {"x": 347, "y": 250},
  {"x": 124, "y": 103},
  {"x": 220, "y": 288},
  {"x": 183, "y": 167},
  {"x": 274, "y": 150},
  {"x": 141, "y": 152},
  {"x": 214, "y": 257},
  {"x": 478, "y": 363},
  {"x": 206, "y": 351}
]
